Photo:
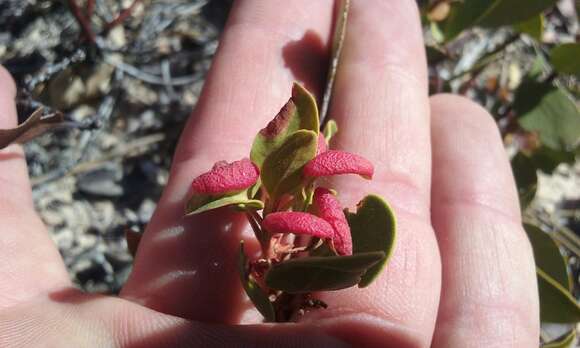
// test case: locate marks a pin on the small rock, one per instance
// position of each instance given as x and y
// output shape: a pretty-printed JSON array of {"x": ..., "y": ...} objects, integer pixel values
[
  {"x": 82, "y": 113},
  {"x": 75, "y": 216},
  {"x": 86, "y": 241},
  {"x": 149, "y": 119},
  {"x": 102, "y": 216},
  {"x": 51, "y": 218},
  {"x": 64, "y": 239},
  {"x": 131, "y": 216},
  {"x": 146, "y": 210},
  {"x": 117, "y": 38},
  {"x": 102, "y": 181}
]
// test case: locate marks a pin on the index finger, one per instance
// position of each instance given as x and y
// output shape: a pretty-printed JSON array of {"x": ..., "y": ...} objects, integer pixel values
[{"x": 188, "y": 266}]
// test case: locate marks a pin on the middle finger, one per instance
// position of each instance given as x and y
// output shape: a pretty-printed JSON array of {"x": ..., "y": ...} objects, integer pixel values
[{"x": 381, "y": 108}]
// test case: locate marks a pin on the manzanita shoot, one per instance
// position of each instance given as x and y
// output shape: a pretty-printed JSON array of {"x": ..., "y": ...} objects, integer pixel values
[{"x": 309, "y": 243}]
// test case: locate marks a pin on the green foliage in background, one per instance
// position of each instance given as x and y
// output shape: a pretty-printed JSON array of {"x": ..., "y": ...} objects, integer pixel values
[{"x": 538, "y": 117}]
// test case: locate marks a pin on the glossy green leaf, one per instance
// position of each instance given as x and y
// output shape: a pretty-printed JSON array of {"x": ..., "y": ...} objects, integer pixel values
[
  {"x": 557, "y": 305},
  {"x": 463, "y": 15},
  {"x": 300, "y": 112},
  {"x": 565, "y": 58},
  {"x": 567, "y": 341},
  {"x": 258, "y": 297},
  {"x": 534, "y": 27},
  {"x": 254, "y": 190},
  {"x": 373, "y": 228},
  {"x": 309, "y": 274},
  {"x": 549, "y": 111},
  {"x": 488, "y": 13},
  {"x": 330, "y": 130},
  {"x": 200, "y": 203},
  {"x": 435, "y": 55},
  {"x": 547, "y": 159},
  {"x": 303, "y": 200},
  {"x": 436, "y": 32},
  {"x": 526, "y": 178},
  {"x": 506, "y": 12},
  {"x": 323, "y": 250},
  {"x": 253, "y": 193},
  {"x": 538, "y": 67},
  {"x": 282, "y": 169},
  {"x": 547, "y": 255}
]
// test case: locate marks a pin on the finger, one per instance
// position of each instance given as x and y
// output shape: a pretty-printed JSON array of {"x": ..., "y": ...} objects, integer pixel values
[
  {"x": 381, "y": 107},
  {"x": 188, "y": 266},
  {"x": 30, "y": 263},
  {"x": 489, "y": 295},
  {"x": 101, "y": 321}
]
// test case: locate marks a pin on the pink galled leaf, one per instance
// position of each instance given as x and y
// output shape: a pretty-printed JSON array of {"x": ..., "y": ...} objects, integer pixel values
[
  {"x": 280, "y": 121},
  {"x": 226, "y": 178},
  {"x": 334, "y": 162},
  {"x": 321, "y": 146},
  {"x": 328, "y": 207},
  {"x": 297, "y": 223}
]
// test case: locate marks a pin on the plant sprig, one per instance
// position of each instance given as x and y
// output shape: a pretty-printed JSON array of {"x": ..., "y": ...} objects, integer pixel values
[{"x": 309, "y": 243}]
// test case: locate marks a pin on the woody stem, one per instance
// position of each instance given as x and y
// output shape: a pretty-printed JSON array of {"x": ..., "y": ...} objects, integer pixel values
[{"x": 253, "y": 219}]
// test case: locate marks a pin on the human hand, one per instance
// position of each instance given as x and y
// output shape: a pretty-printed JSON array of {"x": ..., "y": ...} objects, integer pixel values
[{"x": 462, "y": 273}]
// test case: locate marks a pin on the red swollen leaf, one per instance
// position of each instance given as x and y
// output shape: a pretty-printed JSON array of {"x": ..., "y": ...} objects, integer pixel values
[
  {"x": 328, "y": 208},
  {"x": 297, "y": 223},
  {"x": 334, "y": 162},
  {"x": 226, "y": 178}
]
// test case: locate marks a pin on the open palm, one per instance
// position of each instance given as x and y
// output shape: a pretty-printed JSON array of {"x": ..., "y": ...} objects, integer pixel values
[{"x": 461, "y": 275}]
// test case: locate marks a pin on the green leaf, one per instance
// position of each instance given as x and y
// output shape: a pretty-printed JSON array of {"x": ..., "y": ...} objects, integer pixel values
[
  {"x": 436, "y": 32},
  {"x": 200, "y": 203},
  {"x": 373, "y": 229},
  {"x": 300, "y": 112},
  {"x": 547, "y": 159},
  {"x": 565, "y": 342},
  {"x": 463, "y": 16},
  {"x": 258, "y": 297},
  {"x": 309, "y": 274},
  {"x": 282, "y": 169},
  {"x": 506, "y": 12},
  {"x": 253, "y": 194},
  {"x": 565, "y": 58},
  {"x": 486, "y": 13},
  {"x": 303, "y": 200},
  {"x": 534, "y": 27},
  {"x": 547, "y": 255},
  {"x": 330, "y": 130},
  {"x": 323, "y": 250},
  {"x": 435, "y": 55},
  {"x": 538, "y": 67},
  {"x": 526, "y": 178},
  {"x": 253, "y": 191},
  {"x": 549, "y": 111},
  {"x": 557, "y": 305}
]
